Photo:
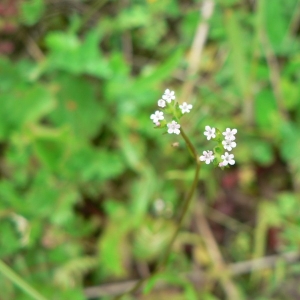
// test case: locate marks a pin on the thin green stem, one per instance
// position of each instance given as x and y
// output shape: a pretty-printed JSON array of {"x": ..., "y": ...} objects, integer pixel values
[
  {"x": 186, "y": 203},
  {"x": 160, "y": 266},
  {"x": 17, "y": 280},
  {"x": 190, "y": 146}
]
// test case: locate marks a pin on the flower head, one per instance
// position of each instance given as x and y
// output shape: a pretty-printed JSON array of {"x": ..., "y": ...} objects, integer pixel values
[
  {"x": 207, "y": 156},
  {"x": 158, "y": 115},
  {"x": 161, "y": 103},
  {"x": 168, "y": 95},
  {"x": 229, "y": 134},
  {"x": 227, "y": 159},
  {"x": 173, "y": 127},
  {"x": 210, "y": 132},
  {"x": 228, "y": 144},
  {"x": 185, "y": 108}
]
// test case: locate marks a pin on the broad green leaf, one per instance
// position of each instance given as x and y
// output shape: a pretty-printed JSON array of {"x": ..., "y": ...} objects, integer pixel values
[
  {"x": 78, "y": 108},
  {"x": 68, "y": 53},
  {"x": 88, "y": 164},
  {"x": 52, "y": 148},
  {"x": 32, "y": 11},
  {"x": 25, "y": 104}
]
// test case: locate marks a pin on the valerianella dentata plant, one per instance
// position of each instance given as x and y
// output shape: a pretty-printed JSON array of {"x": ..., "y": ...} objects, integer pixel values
[
  {"x": 225, "y": 141},
  {"x": 168, "y": 118}
]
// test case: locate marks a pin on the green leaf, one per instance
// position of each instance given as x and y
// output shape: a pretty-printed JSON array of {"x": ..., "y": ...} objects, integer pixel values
[
  {"x": 78, "y": 108},
  {"x": 281, "y": 11},
  {"x": 133, "y": 17},
  {"x": 68, "y": 53},
  {"x": 262, "y": 152},
  {"x": 287, "y": 204},
  {"x": 9, "y": 239},
  {"x": 25, "y": 104},
  {"x": 266, "y": 113},
  {"x": 94, "y": 165},
  {"x": 112, "y": 244},
  {"x": 51, "y": 147},
  {"x": 32, "y": 11}
]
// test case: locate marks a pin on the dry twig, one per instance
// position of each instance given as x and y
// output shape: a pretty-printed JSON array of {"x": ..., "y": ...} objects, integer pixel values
[
  {"x": 197, "y": 48},
  {"x": 244, "y": 267}
]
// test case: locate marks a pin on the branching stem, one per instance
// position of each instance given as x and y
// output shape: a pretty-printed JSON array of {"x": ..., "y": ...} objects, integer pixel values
[{"x": 161, "y": 265}]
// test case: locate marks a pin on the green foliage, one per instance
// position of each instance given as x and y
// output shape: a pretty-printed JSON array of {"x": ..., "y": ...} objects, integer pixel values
[
  {"x": 68, "y": 53},
  {"x": 32, "y": 11},
  {"x": 81, "y": 167}
]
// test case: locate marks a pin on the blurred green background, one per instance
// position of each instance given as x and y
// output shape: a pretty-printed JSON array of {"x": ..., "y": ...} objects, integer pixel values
[{"x": 89, "y": 189}]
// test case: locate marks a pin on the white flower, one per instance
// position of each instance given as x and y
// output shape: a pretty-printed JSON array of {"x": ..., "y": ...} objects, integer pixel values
[
  {"x": 221, "y": 165},
  {"x": 169, "y": 95},
  {"x": 210, "y": 132},
  {"x": 227, "y": 159},
  {"x": 158, "y": 115},
  {"x": 185, "y": 108},
  {"x": 207, "y": 156},
  {"x": 228, "y": 144},
  {"x": 229, "y": 134},
  {"x": 161, "y": 103},
  {"x": 173, "y": 127}
]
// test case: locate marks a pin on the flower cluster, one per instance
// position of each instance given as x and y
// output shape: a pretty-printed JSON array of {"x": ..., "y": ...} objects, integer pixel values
[
  {"x": 225, "y": 140},
  {"x": 217, "y": 156},
  {"x": 171, "y": 107}
]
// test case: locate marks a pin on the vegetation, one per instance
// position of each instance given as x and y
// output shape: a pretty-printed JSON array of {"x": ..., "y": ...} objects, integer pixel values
[{"x": 91, "y": 192}]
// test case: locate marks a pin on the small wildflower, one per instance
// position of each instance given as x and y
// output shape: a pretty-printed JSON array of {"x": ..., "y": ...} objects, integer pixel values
[
  {"x": 207, "y": 156},
  {"x": 185, "y": 108},
  {"x": 161, "y": 103},
  {"x": 169, "y": 95},
  {"x": 229, "y": 134},
  {"x": 227, "y": 159},
  {"x": 158, "y": 115},
  {"x": 173, "y": 127},
  {"x": 228, "y": 144},
  {"x": 210, "y": 132}
]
